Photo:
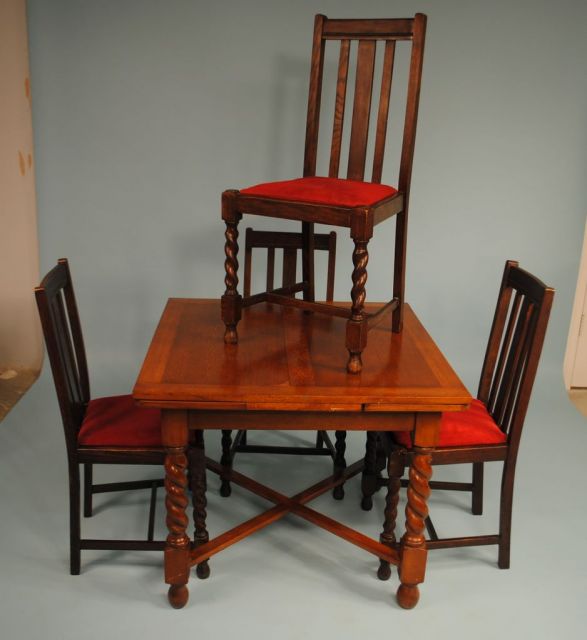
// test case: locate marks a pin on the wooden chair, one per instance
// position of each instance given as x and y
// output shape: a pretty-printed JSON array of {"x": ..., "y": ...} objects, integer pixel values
[
  {"x": 109, "y": 430},
  {"x": 490, "y": 430},
  {"x": 290, "y": 243},
  {"x": 348, "y": 202}
]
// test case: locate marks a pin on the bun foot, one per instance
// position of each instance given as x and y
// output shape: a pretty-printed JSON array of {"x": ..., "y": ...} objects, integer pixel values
[
  {"x": 178, "y": 595},
  {"x": 367, "y": 503},
  {"x": 384, "y": 571},
  {"x": 203, "y": 570},
  {"x": 225, "y": 489},
  {"x": 338, "y": 492},
  {"x": 408, "y": 596}
]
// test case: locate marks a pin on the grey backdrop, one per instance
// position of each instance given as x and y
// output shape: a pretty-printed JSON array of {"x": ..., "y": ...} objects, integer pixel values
[{"x": 145, "y": 111}]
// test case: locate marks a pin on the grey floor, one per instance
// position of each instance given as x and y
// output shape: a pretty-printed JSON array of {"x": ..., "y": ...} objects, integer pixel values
[{"x": 292, "y": 580}]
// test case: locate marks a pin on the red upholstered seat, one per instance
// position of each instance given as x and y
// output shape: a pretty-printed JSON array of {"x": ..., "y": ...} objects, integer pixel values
[
  {"x": 117, "y": 421},
  {"x": 319, "y": 190},
  {"x": 463, "y": 428}
]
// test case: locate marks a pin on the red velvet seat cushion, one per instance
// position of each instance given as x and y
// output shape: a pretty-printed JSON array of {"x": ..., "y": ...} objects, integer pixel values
[
  {"x": 318, "y": 190},
  {"x": 463, "y": 428},
  {"x": 117, "y": 421}
]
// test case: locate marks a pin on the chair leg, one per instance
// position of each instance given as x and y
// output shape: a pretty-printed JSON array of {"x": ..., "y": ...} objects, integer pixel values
[
  {"x": 399, "y": 270},
  {"x": 88, "y": 494},
  {"x": 357, "y": 327},
  {"x": 152, "y": 508},
  {"x": 308, "y": 260},
  {"x": 319, "y": 440},
  {"x": 380, "y": 460},
  {"x": 74, "y": 520},
  {"x": 197, "y": 462},
  {"x": 369, "y": 476},
  {"x": 395, "y": 470},
  {"x": 226, "y": 461},
  {"x": 477, "y": 502},
  {"x": 505, "y": 514},
  {"x": 339, "y": 463},
  {"x": 231, "y": 301}
]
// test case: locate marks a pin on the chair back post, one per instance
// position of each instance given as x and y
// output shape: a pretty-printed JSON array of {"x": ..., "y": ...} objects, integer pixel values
[
  {"x": 63, "y": 337},
  {"x": 413, "y": 102},
  {"x": 314, "y": 97},
  {"x": 514, "y": 349}
]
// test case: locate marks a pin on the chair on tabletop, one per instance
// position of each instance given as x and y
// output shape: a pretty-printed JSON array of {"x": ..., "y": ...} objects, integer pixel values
[
  {"x": 490, "y": 430},
  {"x": 352, "y": 201},
  {"x": 290, "y": 243},
  {"x": 104, "y": 431}
]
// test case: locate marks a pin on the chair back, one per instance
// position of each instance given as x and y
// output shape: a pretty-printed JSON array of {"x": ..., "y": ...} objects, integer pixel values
[
  {"x": 291, "y": 243},
  {"x": 65, "y": 347},
  {"x": 514, "y": 348},
  {"x": 368, "y": 33}
]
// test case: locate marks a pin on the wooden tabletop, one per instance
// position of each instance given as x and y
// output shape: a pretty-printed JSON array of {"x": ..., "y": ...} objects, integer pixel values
[{"x": 289, "y": 360}]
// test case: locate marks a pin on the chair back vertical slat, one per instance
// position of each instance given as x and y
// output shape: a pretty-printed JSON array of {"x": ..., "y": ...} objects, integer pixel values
[
  {"x": 518, "y": 416},
  {"x": 383, "y": 112},
  {"x": 66, "y": 350},
  {"x": 508, "y": 410},
  {"x": 493, "y": 346},
  {"x": 76, "y": 334},
  {"x": 361, "y": 109},
  {"x": 314, "y": 98},
  {"x": 504, "y": 349},
  {"x": 514, "y": 356},
  {"x": 339, "y": 108}
]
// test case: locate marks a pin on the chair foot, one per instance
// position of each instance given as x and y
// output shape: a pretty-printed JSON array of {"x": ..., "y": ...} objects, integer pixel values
[
  {"x": 178, "y": 595},
  {"x": 503, "y": 559},
  {"x": 367, "y": 503},
  {"x": 230, "y": 335},
  {"x": 225, "y": 489},
  {"x": 354, "y": 364},
  {"x": 384, "y": 571},
  {"x": 75, "y": 561},
  {"x": 203, "y": 570},
  {"x": 338, "y": 492}
]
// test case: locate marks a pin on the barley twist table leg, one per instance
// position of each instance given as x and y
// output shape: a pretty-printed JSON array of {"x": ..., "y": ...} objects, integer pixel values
[
  {"x": 178, "y": 542},
  {"x": 413, "y": 544}
]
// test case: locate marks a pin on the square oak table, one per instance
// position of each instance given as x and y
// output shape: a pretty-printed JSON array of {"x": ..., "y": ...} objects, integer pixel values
[{"x": 288, "y": 372}]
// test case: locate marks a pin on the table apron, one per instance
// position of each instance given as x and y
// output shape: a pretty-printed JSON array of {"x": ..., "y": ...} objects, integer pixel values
[{"x": 303, "y": 420}]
